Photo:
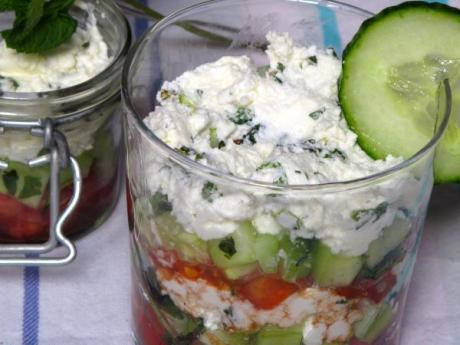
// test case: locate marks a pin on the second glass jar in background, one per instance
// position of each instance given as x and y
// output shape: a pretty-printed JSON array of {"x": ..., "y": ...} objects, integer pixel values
[{"x": 88, "y": 114}]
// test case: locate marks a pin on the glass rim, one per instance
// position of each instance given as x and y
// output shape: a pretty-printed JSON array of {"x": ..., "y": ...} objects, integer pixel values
[
  {"x": 225, "y": 177},
  {"x": 89, "y": 84}
]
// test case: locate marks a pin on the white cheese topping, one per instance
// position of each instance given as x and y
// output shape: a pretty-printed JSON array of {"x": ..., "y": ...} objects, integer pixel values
[
  {"x": 74, "y": 62},
  {"x": 282, "y": 126}
]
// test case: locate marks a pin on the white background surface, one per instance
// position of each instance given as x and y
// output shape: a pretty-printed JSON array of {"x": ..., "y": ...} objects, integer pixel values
[{"x": 88, "y": 302}]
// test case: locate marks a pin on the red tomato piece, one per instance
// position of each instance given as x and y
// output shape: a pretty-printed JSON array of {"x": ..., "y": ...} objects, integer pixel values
[
  {"x": 267, "y": 292},
  {"x": 18, "y": 221},
  {"x": 210, "y": 274},
  {"x": 375, "y": 290}
]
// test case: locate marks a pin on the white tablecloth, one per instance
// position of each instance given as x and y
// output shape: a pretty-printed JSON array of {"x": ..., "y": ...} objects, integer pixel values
[{"x": 87, "y": 303}]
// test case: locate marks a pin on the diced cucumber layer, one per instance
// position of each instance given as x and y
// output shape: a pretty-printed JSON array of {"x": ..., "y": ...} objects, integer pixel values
[
  {"x": 389, "y": 90},
  {"x": 391, "y": 238},
  {"x": 240, "y": 252},
  {"x": 173, "y": 236},
  {"x": 271, "y": 335},
  {"x": 333, "y": 270},
  {"x": 296, "y": 258},
  {"x": 376, "y": 319}
]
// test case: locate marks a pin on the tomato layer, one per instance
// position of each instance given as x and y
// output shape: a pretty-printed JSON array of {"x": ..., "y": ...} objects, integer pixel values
[{"x": 22, "y": 223}]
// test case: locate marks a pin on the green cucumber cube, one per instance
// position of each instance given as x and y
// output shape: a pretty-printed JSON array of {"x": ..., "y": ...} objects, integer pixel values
[
  {"x": 266, "y": 249},
  {"x": 374, "y": 322},
  {"x": 333, "y": 270},
  {"x": 236, "y": 249},
  {"x": 173, "y": 236},
  {"x": 296, "y": 258},
  {"x": 237, "y": 272},
  {"x": 221, "y": 337},
  {"x": 271, "y": 335},
  {"x": 391, "y": 238}
]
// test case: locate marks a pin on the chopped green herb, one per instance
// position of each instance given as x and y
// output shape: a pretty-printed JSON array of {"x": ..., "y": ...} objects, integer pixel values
[
  {"x": 199, "y": 92},
  {"x": 243, "y": 115},
  {"x": 282, "y": 180},
  {"x": 165, "y": 94},
  {"x": 262, "y": 70},
  {"x": 160, "y": 203},
  {"x": 364, "y": 216},
  {"x": 342, "y": 301},
  {"x": 184, "y": 150},
  {"x": 269, "y": 165},
  {"x": 10, "y": 180},
  {"x": 280, "y": 67},
  {"x": 85, "y": 45},
  {"x": 13, "y": 81},
  {"x": 332, "y": 52},
  {"x": 184, "y": 100},
  {"x": 189, "y": 152},
  {"x": 312, "y": 146},
  {"x": 251, "y": 135},
  {"x": 221, "y": 144},
  {"x": 297, "y": 171},
  {"x": 274, "y": 75},
  {"x": 39, "y": 25},
  {"x": 209, "y": 191},
  {"x": 315, "y": 115},
  {"x": 336, "y": 153},
  {"x": 305, "y": 247},
  {"x": 32, "y": 186},
  {"x": 312, "y": 60},
  {"x": 227, "y": 245}
]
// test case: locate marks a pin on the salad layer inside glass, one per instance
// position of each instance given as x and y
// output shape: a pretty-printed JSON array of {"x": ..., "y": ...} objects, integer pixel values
[{"x": 216, "y": 263}]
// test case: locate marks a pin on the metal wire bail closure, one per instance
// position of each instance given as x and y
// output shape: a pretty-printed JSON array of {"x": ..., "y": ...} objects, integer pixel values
[{"x": 58, "y": 156}]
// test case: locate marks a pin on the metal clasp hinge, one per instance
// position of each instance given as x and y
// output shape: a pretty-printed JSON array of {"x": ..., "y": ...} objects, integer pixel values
[{"x": 58, "y": 156}]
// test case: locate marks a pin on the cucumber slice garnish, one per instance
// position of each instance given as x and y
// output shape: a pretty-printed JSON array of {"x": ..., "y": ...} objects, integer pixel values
[
  {"x": 390, "y": 81},
  {"x": 333, "y": 270}
]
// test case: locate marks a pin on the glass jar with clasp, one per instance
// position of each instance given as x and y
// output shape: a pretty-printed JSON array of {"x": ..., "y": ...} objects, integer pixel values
[{"x": 61, "y": 152}]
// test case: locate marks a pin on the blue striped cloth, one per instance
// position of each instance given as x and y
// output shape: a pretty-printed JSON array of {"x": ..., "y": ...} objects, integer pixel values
[{"x": 88, "y": 302}]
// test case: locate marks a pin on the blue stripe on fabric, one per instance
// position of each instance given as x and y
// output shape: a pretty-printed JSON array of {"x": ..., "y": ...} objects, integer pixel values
[
  {"x": 440, "y": 1},
  {"x": 30, "y": 313},
  {"x": 331, "y": 35},
  {"x": 140, "y": 24}
]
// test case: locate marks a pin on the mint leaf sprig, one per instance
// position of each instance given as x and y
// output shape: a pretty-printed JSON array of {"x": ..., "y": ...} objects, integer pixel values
[{"x": 39, "y": 25}]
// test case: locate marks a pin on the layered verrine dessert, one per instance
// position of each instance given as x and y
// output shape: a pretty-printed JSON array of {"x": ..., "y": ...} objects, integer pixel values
[
  {"x": 276, "y": 194},
  {"x": 219, "y": 263},
  {"x": 76, "y": 85}
]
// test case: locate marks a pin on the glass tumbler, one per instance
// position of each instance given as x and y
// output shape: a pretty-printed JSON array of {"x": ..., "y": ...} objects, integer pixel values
[
  {"x": 275, "y": 289},
  {"x": 83, "y": 121}
]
